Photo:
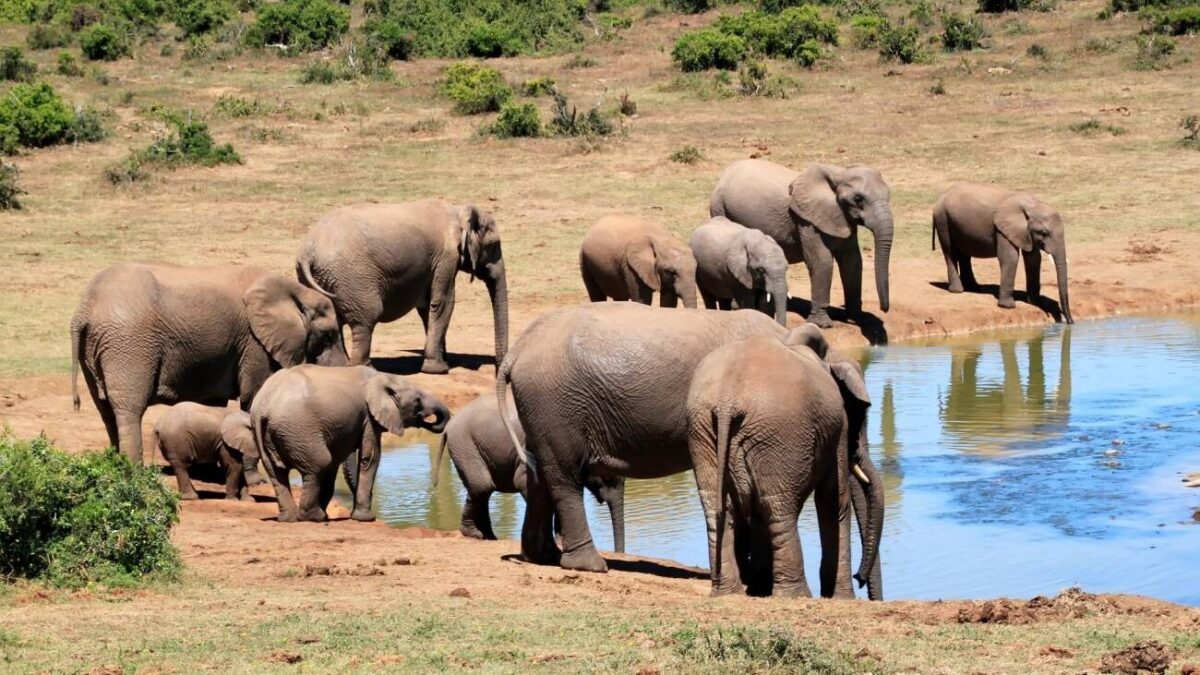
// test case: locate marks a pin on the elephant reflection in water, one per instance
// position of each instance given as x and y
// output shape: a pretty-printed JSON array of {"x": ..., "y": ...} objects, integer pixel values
[
  {"x": 986, "y": 415},
  {"x": 888, "y": 439}
]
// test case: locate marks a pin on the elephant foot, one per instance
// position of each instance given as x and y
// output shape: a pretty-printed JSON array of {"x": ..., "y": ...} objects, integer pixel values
[
  {"x": 472, "y": 532},
  {"x": 363, "y": 515},
  {"x": 821, "y": 319},
  {"x": 800, "y": 590},
  {"x": 1006, "y": 303},
  {"x": 247, "y": 497},
  {"x": 316, "y": 515},
  {"x": 955, "y": 286},
  {"x": 232, "y": 498},
  {"x": 735, "y": 588},
  {"x": 188, "y": 496},
  {"x": 289, "y": 517},
  {"x": 432, "y": 367},
  {"x": 586, "y": 559},
  {"x": 255, "y": 478}
]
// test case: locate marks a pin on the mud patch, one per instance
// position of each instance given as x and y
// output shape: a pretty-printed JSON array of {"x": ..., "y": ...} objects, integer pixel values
[
  {"x": 1072, "y": 603},
  {"x": 334, "y": 570},
  {"x": 1147, "y": 656}
]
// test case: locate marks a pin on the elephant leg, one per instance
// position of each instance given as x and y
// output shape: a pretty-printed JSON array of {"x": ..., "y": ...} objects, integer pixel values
[
  {"x": 942, "y": 229},
  {"x": 476, "y": 519},
  {"x": 819, "y": 261},
  {"x": 360, "y": 340},
  {"x": 787, "y": 570},
  {"x": 1008, "y": 254},
  {"x": 235, "y": 481},
  {"x": 283, "y": 494},
  {"x": 1033, "y": 277},
  {"x": 710, "y": 301},
  {"x": 368, "y": 465},
  {"x": 328, "y": 484},
  {"x": 595, "y": 294},
  {"x": 564, "y": 482},
  {"x": 849, "y": 264},
  {"x": 310, "y": 497},
  {"x": 644, "y": 295},
  {"x": 106, "y": 414},
  {"x": 834, "y": 528},
  {"x": 727, "y": 580},
  {"x": 537, "y": 530},
  {"x": 186, "y": 490},
  {"x": 129, "y": 431},
  {"x": 441, "y": 307},
  {"x": 725, "y": 304},
  {"x": 966, "y": 273}
]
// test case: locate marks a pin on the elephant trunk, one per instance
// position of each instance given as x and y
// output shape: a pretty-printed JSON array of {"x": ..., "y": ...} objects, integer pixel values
[
  {"x": 686, "y": 290},
  {"x": 497, "y": 286},
  {"x": 883, "y": 228},
  {"x": 616, "y": 512},
  {"x": 777, "y": 286},
  {"x": 441, "y": 415},
  {"x": 869, "y": 494},
  {"x": 1060, "y": 266}
]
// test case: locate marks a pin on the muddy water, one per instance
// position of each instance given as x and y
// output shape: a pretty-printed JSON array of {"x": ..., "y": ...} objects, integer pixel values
[{"x": 1016, "y": 463}]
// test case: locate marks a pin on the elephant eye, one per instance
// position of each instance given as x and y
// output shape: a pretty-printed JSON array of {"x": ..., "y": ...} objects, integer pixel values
[{"x": 858, "y": 199}]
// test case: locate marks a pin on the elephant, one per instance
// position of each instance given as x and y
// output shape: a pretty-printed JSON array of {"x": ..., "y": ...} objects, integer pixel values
[
  {"x": 625, "y": 258},
  {"x": 190, "y": 434},
  {"x": 378, "y": 262},
  {"x": 151, "y": 333},
  {"x": 814, "y": 216},
  {"x": 312, "y": 418},
  {"x": 769, "y": 423},
  {"x": 971, "y": 220},
  {"x": 487, "y": 462},
  {"x": 601, "y": 390},
  {"x": 735, "y": 264}
]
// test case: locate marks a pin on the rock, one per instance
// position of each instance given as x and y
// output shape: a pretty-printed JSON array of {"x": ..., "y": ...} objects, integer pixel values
[
  {"x": 1189, "y": 669},
  {"x": 1147, "y": 656},
  {"x": 460, "y": 592}
]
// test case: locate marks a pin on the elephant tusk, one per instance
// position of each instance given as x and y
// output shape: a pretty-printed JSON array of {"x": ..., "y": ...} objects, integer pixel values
[{"x": 861, "y": 476}]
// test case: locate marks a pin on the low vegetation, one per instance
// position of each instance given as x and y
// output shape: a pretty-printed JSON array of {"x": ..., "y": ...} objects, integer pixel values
[
  {"x": 517, "y": 120},
  {"x": 35, "y": 116},
  {"x": 10, "y": 190},
  {"x": 902, "y": 43},
  {"x": 568, "y": 121},
  {"x": 754, "y": 649},
  {"x": 475, "y": 88},
  {"x": 14, "y": 67},
  {"x": 299, "y": 25},
  {"x": 1093, "y": 127},
  {"x": 961, "y": 34},
  {"x": 103, "y": 42},
  {"x": 188, "y": 143},
  {"x": 1191, "y": 132},
  {"x": 454, "y": 28},
  {"x": 687, "y": 154}
]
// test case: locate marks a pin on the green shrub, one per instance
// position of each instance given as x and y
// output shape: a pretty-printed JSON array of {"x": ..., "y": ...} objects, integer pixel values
[
  {"x": 517, "y": 120},
  {"x": 1137, "y": 5},
  {"x": 1038, "y": 51},
  {"x": 103, "y": 42},
  {"x": 33, "y": 115},
  {"x": 76, "y": 519},
  {"x": 901, "y": 43},
  {"x": 688, "y": 154},
  {"x": 1191, "y": 132},
  {"x": 127, "y": 171},
  {"x": 475, "y": 88},
  {"x": 1153, "y": 52},
  {"x": 10, "y": 194},
  {"x": 198, "y": 17},
  {"x": 922, "y": 13},
  {"x": 488, "y": 40},
  {"x": 459, "y": 28},
  {"x": 998, "y": 6},
  {"x": 690, "y": 6},
  {"x": 47, "y": 36},
  {"x": 961, "y": 34},
  {"x": 566, "y": 120},
  {"x": 708, "y": 48},
  {"x": 14, "y": 67},
  {"x": 754, "y": 80},
  {"x": 609, "y": 25},
  {"x": 1093, "y": 127},
  {"x": 189, "y": 143},
  {"x": 865, "y": 30},
  {"x": 390, "y": 37},
  {"x": 319, "y": 72},
  {"x": 302, "y": 25},
  {"x": 580, "y": 61},
  {"x": 538, "y": 86},
  {"x": 1100, "y": 45},
  {"x": 1174, "y": 21},
  {"x": 427, "y": 125},
  {"x": 87, "y": 127},
  {"x": 68, "y": 65},
  {"x": 797, "y": 33}
]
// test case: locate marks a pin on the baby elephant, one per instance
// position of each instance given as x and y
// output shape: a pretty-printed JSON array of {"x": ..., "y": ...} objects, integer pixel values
[
  {"x": 190, "y": 434},
  {"x": 740, "y": 266},
  {"x": 982, "y": 221},
  {"x": 312, "y": 418},
  {"x": 487, "y": 462},
  {"x": 624, "y": 258},
  {"x": 769, "y": 423}
]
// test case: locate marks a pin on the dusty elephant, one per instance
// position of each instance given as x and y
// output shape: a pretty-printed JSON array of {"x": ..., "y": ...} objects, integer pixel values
[
  {"x": 771, "y": 422},
  {"x": 601, "y": 390},
  {"x": 739, "y": 266},
  {"x": 190, "y": 434},
  {"x": 983, "y": 221},
  {"x": 311, "y": 419},
  {"x": 625, "y": 258},
  {"x": 378, "y": 262},
  {"x": 150, "y": 333},
  {"x": 487, "y": 462},
  {"x": 814, "y": 216}
]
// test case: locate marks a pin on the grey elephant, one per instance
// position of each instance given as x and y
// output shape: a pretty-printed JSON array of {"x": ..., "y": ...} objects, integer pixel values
[
  {"x": 771, "y": 422},
  {"x": 378, "y": 262},
  {"x": 626, "y": 258},
  {"x": 814, "y": 215},
  {"x": 971, "y": 220},
  {"x": 487, "y": 462},
  {"x": 151, "y": 333},
  {"x": 738, "y": 266},
  {"x": 601, "y": 390},
  {"x": 312, "y": 419},
  {"x": 190, "y": 434}
]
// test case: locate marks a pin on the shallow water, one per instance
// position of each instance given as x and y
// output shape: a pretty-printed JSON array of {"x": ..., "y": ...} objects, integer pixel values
[{"x": 1016, "y": 463}]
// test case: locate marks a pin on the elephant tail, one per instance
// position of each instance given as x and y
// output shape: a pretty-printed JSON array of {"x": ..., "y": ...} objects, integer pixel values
[
  {"x": 502, "y": 372},
  {"x": 304, "y": 269},
  {"x": 724, "y": 421},
  {"x": 437, "y": 460},
  {"x": 76, "y": 329},
  {"x": 933, "y": 234}
]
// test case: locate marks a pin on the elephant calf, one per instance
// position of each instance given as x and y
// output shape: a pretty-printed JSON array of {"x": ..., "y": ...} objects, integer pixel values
[
  {"x": 982, "y": 221},
  {"x": 312, "y": 418},
  {"x": 486, "y": 461},
  {"x": 190, "y": 434},
  {"x": 738, "y": 265},
  {"x": 769, "y": 423},
  {"x": 624, "y": 258}
]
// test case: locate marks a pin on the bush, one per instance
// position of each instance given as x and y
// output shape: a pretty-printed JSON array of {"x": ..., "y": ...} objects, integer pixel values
[
  {"x": 1175, "y": 21},
  {"x": 961, "y": 34},
  {"x": 998, "y": 6},
  {"x": 690, "y": 6},
  {"x": 390, "y": 37},
  {"x": 748, "y": 649},
  {"x": 865, "y": 30},
  {"x": 626, "y": 105},
  {"x": 538, "y": 86},
  {"x": 922, "y": 13},
  {"x": 1092, "y": 127},
  {"x": 1191, "y": 132},
  {"x": 796, "y": 33},
  {"x": 688, "y": 154},
  {"x": 459, "y": 28},
  {"x": 319, "y": 72},
  {"x": 87, "y": 127},
  {"x": 15, "y": 67},
  {"x": 191, "y": 143},
  {"x": 901, "y": 43},
  {"x": 77, "y": 519},
  {"x": 1153, "y": 52},
  {"x": 9, "y": 194},
  {"x": 567, "y": 121},
  {"x": 488, "y": 40},
  {"x": 1115, "y": 6},
  {"x": 517, "y": 120},
  {"x": 938, "y": 88},
  {"x": 47, "y": 36},
  {"x": 708, "y": 48},
  {"x": 198, "y": 17},
  {"x": 754, "y": 80},
  {"x": 68, "y": 66},
  {"x": 102, "y": 42},
  {"x": 34, "y": 116},
  {"x": 475, "y": 88},
  {"x": 301, "y": 25}
]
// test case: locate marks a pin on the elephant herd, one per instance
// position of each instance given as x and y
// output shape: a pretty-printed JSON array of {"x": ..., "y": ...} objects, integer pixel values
[{"x": 765, "y": 416}]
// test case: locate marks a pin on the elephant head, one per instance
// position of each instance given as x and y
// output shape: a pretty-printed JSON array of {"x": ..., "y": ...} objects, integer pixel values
[
  {"x": 237, "y": 434},
  {"x": 294, "y": 324},
  {"x": 479, "y": 255},
  {"x": 395, "y": 405},
  {"x": 835, "y": 200},
  {"x": 1029, "y": 223},
  {"x": 757, "y": 262},
  {"x": 665, "y": 265}
]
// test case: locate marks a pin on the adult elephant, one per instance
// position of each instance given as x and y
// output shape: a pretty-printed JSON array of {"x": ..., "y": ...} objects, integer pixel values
[
  {"x": 150, "y": 333},
  {"x": 626, "y": 258},
  {"x": 971, "y": 220},
  {"x": 601, "y": 390},
  {"x": 735, "y": 264},
  {"x": 378, "y": 262},
  {"x": 814, "y": 215}
]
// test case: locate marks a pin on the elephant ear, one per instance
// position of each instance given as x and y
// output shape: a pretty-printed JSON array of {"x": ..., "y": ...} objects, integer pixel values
[
  {"x": 473, "y": 224},
  {"x": 808, "y": 335},
  {"x": 850, "y": 381},
  {"x": 640, "y": 258},
  {"x": 1013, "y": 223},
  {"x": 237, "y": 433},
  {"x": 814, "y": 200},
  {"x": 278, "y": 319},
  {"x": 383, "y": 401},
  {"x": 738, "y": 263}
]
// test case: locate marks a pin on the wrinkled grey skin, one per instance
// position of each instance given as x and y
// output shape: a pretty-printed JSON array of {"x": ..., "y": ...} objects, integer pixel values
[
  {"x": 151, "y": 333},
  {"x": 983, "y": 221},
  {"x": 585, "y": 415},
  {"x": 814, "y": 216},
  {"x": 738, "y": 267},
  {"x": 771, "y": 422},
  {"x": 487, "y": 462},
  {"x": 312, "y": 419},
  {"x": 625, "y": 258},
  {"x": 378, "y": 262},
  {"x": 190, "y": 434}
]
